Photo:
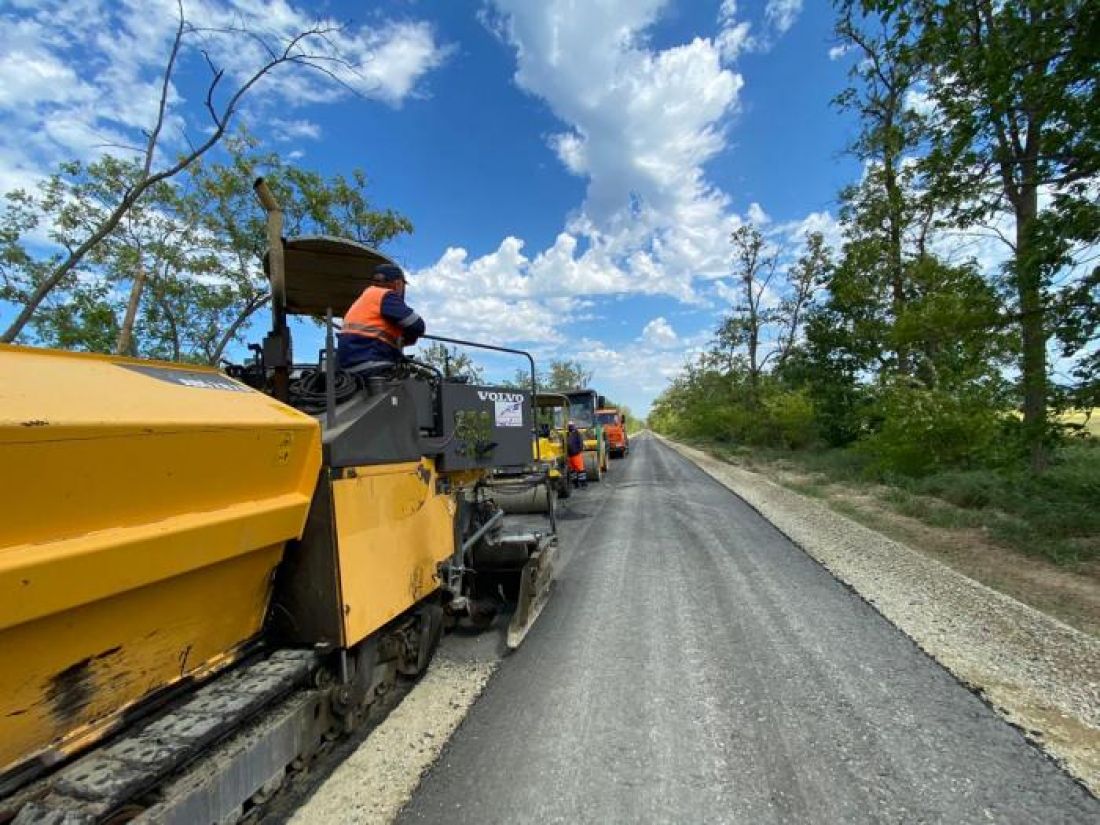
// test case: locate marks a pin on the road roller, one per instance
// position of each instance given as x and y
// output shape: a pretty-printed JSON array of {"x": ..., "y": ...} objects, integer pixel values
[
  {"x": 546, "y": 480},
  {"x": 551, "y": 413},
  {"x": 583, "y": 404},
  {"x": 205, "y": 574}
]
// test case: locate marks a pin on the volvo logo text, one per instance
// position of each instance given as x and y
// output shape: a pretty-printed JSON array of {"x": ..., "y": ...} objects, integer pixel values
[{"x": 485, "y": 395}]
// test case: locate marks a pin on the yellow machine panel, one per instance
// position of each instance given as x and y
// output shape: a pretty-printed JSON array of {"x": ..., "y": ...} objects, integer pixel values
[
  {"x": 392, "y": 531},
  {"x": 146, "y": 506},
  {"x": 549, "y": 451}
]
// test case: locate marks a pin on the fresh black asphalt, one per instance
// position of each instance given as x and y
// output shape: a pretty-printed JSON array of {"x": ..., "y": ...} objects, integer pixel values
[{"x": 694, "y": 666}]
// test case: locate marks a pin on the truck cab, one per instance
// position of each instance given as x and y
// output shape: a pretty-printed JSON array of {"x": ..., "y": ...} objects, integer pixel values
[{"x": 614, "y": 430}]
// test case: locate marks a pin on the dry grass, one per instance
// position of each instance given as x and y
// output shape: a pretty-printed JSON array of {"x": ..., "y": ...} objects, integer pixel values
[{"x": 1089, "y": 420}]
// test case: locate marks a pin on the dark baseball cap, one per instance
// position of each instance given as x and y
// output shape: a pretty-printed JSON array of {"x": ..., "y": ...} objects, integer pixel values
[{"x": 388, "y": 273}]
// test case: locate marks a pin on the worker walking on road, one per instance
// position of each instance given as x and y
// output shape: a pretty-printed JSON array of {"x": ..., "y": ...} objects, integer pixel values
[
  {"x": 379, "y": 324},
  {"x": 574, "y": 449}
]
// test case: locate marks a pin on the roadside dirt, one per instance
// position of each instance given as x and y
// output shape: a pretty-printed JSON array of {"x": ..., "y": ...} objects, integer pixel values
[
  {"x": 1038, "y": 672},
  {"x": 1071, "y": 595}
]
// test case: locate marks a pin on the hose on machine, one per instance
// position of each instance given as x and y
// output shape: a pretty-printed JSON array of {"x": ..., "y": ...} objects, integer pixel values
[{"x": 307, "y": 392}]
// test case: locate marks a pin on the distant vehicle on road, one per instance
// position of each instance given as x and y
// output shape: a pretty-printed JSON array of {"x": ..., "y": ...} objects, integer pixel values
[
  {"x": 583, "y": 404},
  {"x": 614, "y": 431}
]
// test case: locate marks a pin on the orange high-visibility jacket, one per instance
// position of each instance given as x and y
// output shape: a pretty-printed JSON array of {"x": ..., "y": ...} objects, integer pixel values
[{"x": 365, "y": 319}]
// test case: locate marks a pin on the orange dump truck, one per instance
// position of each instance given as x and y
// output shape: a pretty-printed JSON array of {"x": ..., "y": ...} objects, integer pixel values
[{"x": 614, "y": 429}]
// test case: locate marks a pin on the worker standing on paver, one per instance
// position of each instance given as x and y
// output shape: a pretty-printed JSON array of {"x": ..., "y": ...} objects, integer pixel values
[{"x": 574, "y": 449}]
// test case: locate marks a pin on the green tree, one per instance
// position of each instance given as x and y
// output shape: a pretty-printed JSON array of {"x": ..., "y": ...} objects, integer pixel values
[
  {"x": 224, "y": 205},
  {"x": 88, "y": 308},
  {"x": 521, "y": 380},
  {"x": 1078, "y": 322},
  {"x": 950, "y": 328},
  {"x": 452, "y": 362},
  {"x": 830, "y": 366},
  {"x": 1016, "y": 91},
  {"x": 23, "y": 267},
  {"x": 804, "y": 280},
  {"x": 883, "y": 210},
  {"x": 564, "y": 375},
  {"x": 181, "y": 273},
  {"x": 755, "y": 266},
  {"x": 750, "y": 386}
]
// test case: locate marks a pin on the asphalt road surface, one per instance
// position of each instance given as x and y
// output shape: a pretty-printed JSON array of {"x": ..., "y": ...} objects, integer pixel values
[{"x": 695, "y": 666}]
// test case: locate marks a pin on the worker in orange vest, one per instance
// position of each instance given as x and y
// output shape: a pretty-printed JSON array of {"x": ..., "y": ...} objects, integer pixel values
[
  {"x": 574, "y": 450},
  {"x": 378, "y": 324}
]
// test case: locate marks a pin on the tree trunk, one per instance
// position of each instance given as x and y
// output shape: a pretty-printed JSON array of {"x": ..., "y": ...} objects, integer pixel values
[
  {"x": 170, "y": 318},
  {"x": 895, "y": 220},
  {"x": 1033, "y": 361},
  {"x": 227, "y": 336},
  {"x": 126, "y": 333},
  {"x": 754, "y": 336}
]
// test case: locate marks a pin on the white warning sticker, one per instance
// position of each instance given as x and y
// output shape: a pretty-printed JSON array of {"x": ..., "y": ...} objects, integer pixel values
[{"x": 509, "y": 413}]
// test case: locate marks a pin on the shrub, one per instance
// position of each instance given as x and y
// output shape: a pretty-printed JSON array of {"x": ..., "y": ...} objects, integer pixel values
[
  {"x": 924, "y": 430},
  {"x": 790, "y": 419}
]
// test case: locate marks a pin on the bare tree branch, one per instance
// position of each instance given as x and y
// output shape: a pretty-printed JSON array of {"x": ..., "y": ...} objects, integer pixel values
[
  {"x": 221, "y": 117},
  {"x": 250, "y": 309}
]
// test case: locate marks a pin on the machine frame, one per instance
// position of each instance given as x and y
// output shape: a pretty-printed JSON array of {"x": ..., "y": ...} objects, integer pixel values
[{"x": 384, "y": 530}]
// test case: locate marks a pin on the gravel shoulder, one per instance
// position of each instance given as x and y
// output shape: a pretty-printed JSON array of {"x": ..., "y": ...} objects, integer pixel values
[
  {"x": 380, "y": 776},
  {"x": 1040, "y": 674}
]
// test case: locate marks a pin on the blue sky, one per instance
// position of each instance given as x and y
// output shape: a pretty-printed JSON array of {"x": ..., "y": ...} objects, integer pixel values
[{"x": 573, "y": 169}]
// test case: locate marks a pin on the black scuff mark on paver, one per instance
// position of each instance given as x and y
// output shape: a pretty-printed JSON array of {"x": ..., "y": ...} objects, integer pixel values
[
  {"x": 185, "y": 654},
  {"x": 71, "y": 690}
]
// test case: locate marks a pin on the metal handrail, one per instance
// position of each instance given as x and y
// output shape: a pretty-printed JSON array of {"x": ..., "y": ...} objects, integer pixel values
[{"x": 534, "y": 379}]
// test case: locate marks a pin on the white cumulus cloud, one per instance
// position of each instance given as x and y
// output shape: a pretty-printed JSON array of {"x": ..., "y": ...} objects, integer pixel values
[
  {"x": 640, "y": 124},
  {"x": 392, "y": 60},
  {"x": 286, "y": 130},
  {"x": 79, "y": 78},
  {"x": 734, "y": 36},
  {"x": 783, "y": 13},
  {"x": 660, "y": 334}
]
